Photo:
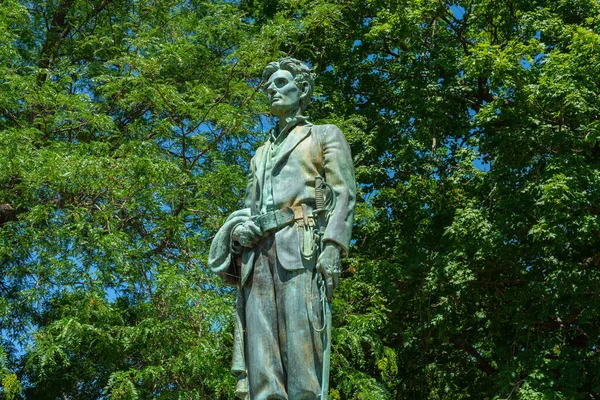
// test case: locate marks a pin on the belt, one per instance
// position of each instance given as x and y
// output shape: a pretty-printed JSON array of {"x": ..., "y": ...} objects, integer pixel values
[{"x": 277, "y": 219}]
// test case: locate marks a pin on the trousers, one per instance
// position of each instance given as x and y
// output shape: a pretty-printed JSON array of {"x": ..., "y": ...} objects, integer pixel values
[{"x": 284, "y": 351}]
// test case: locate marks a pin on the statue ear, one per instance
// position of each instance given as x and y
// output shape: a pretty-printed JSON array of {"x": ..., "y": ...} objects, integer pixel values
[{"x": 305, "y": 88}]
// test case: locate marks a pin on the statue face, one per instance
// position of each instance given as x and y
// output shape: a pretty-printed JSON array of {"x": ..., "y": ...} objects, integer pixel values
[{"x": 283, "y": 94}]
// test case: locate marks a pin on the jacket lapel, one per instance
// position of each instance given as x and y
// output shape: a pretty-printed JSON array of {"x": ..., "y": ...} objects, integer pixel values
[{"x": 289, "y": 144}]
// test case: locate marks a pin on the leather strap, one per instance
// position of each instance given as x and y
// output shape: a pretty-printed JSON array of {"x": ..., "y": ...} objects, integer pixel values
[{"x": 277, "y": 219}]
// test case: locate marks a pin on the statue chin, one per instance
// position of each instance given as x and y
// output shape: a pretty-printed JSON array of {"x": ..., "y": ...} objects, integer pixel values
[{"x": 283, "y": 111}]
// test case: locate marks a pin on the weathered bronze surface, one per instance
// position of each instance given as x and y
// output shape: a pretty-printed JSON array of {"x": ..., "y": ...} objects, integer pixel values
[{"x": 284, "y": 248}]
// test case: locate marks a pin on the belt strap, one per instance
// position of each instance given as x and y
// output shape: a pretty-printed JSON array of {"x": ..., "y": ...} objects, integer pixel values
[{"x": 277, "y": 219}]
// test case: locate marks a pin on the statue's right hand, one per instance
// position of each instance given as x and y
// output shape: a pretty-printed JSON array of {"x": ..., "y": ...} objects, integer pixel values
[{"x": 246, "y": 234}]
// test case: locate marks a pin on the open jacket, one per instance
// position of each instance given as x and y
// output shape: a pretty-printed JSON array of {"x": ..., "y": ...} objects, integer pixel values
[{"x": 308, "y": 151}]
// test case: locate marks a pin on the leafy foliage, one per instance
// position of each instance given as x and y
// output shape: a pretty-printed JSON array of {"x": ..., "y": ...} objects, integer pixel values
[{"x": 127, "y": 127}]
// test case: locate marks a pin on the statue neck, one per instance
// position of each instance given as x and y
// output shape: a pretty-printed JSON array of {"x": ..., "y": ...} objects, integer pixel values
[{"x": 284, "y": 119}]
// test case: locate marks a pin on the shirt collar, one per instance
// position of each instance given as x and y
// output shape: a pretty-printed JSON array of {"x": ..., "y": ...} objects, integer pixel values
[{"x": 290, "y": 123}]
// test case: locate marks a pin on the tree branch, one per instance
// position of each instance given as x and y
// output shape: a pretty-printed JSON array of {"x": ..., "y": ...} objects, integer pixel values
[
  {"x": 482, "y": 363},
  {"x": 8, "y": 213}
]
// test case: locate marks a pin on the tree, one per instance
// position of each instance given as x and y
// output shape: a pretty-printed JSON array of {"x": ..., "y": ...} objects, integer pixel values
[
  {"x": 475, "y": 130},
  {"x": 125, "y": 127}
]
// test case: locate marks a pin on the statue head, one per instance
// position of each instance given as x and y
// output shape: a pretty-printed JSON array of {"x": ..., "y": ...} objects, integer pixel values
[{"x": 289, "y": 86}]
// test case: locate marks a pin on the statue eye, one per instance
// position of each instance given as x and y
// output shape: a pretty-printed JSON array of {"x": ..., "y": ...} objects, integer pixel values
[{"x": 281, "y": 81}]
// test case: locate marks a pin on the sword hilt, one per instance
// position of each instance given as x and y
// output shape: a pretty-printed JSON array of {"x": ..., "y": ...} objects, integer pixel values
[{"x": 319, "y": 193}]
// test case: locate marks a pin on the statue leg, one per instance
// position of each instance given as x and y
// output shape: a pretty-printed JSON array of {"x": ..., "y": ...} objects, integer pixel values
[
  {"x": 301, "y": 345},
  {"x": 266, "y": 376}
]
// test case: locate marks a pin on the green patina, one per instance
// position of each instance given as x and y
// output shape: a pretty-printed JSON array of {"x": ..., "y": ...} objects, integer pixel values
[{"x": 282, "y": 253}]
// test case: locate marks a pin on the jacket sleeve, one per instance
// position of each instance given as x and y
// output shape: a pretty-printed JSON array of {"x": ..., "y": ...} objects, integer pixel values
[
  {"x": 220, "y": 256},
  {"x": 338, "y": 168}
]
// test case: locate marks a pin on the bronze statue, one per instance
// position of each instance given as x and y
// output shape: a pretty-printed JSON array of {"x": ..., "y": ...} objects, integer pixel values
[{"x": 284, "y": 248}]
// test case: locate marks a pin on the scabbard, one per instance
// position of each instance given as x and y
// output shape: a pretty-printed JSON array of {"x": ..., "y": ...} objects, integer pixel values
[
  {"x": 321, "y": 217},
  {"x": 326, "y": 351}
]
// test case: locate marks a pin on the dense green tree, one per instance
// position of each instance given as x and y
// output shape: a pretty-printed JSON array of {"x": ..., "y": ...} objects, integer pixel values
[
  {"x": 476, "y": 136},
  {"x": 126, "y": 129}
]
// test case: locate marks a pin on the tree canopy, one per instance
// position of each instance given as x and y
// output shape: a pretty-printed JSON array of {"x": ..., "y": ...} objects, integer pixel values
[{"x": 127, "y": 127}]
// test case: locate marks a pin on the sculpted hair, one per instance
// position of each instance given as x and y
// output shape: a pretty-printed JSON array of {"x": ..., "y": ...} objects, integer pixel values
[{"x": 299, "y": 71}]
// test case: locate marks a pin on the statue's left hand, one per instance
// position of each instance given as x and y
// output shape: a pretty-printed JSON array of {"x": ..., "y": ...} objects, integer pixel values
[{"x": 329, "y": 266}]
